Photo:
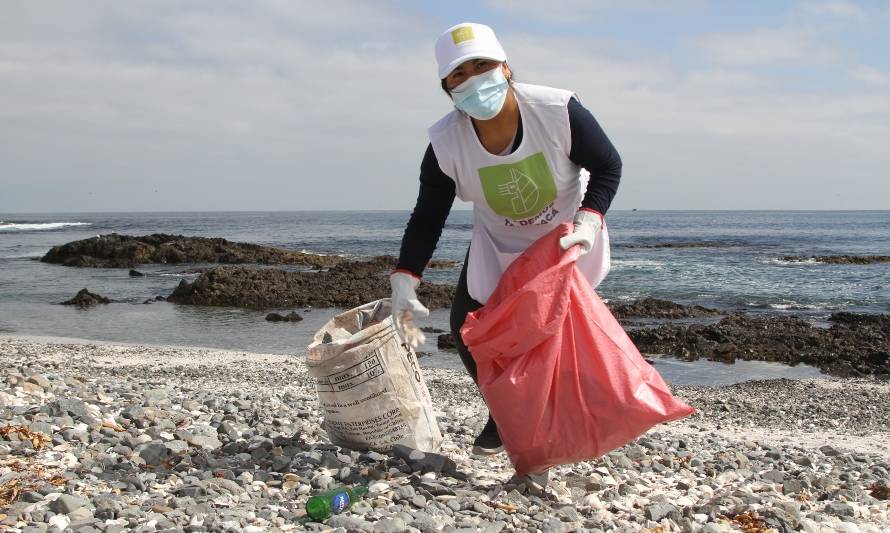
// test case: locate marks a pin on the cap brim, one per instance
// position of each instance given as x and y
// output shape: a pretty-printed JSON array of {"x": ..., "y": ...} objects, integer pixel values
[{"x": 475, "y": 55}]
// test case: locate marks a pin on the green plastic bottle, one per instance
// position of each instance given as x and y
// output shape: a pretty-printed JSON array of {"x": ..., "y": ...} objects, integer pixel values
[{"x": 322, "y": 506}]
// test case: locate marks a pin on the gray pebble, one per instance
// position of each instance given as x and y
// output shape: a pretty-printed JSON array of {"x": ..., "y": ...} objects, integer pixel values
[{"x": 67, "y": 503}]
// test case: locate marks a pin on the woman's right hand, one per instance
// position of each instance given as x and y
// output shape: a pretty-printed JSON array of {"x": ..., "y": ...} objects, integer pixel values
[{"x": 405, "y": 306}]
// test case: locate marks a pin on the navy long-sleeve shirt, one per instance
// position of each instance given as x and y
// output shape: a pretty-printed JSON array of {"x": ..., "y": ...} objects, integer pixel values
[{"x": 591, "y": 150}]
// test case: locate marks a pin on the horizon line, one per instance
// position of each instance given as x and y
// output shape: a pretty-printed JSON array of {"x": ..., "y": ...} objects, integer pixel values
[{"x": 245, "y": 211}]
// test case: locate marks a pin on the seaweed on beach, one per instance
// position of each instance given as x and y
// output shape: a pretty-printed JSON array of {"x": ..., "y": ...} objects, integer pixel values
[
  {"x": 749, "y": 522},
  {"x": 38, "y": 440},
  {"x": 32, "y": 476}
]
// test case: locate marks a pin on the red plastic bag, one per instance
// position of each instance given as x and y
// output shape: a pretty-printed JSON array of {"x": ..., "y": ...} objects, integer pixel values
[{"x": 560, "y": 376}]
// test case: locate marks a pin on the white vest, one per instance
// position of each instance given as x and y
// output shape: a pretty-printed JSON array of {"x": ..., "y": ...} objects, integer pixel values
[{"x": 521, "y": 196}]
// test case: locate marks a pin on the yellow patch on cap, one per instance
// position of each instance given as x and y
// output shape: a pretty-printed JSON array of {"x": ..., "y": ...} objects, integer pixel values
[{"x": 462, "y": 34}]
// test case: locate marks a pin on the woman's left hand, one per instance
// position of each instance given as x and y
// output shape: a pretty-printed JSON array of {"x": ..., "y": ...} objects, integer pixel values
[{"x": 588, "y": 224}]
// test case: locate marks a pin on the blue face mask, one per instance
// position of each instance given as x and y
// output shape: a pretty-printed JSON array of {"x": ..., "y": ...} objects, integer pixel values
[{"x": 483, "y": 95}]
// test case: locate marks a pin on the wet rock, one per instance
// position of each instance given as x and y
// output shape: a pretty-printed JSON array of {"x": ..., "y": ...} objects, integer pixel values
[
  {"x": 700, "y": 244},
  {"x": 136, "y": 274},
  {"x": 839, "y": 259},
  {"x": 445, "y": 341},
  {"x": 855, "y": 345},
  {"x": 290, "y": 317},
  {"x": 85, "y": 298},
  {"x": 346, "y": 285},
  {"x": 655, "y": 308},
  {"x": 125, "y": 251},
  {"x": 443, "y": 263}
]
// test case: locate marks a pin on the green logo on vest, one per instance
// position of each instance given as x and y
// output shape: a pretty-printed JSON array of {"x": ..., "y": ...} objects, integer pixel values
[{"x": 521, "y": 189}]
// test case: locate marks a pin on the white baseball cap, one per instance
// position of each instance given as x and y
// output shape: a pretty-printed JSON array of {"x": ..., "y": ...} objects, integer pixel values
[{"x": 465, "y": 41}]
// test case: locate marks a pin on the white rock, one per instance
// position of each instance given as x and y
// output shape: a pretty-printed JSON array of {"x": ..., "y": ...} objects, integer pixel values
[
  {"x": 374, "y": 456},
  {"x": 592, "y": 501},
  {"x": 725, "y": 478},
  {"x": 378, "y": 487},
  {"x": 93, "y": 410},
  {"x": 847, "y": 527},
  {"x": 59, "y": 521},
  {"x": 701, "y": 518},
  {"x": 416, "y": 455},
  {"x": 684, "y": 501}
]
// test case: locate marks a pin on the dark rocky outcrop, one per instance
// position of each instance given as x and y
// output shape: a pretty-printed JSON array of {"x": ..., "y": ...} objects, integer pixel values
[
  {"x": 855, "y": 345},
  {"x": 839, "y": 259},
  {"x": 445, "y": 341},
  {"x": 346, "y": 285},
  {"x": 703, "y": 244},
  {"x": 136, "y": 274},
  {"x": 125, "y": 251},
  {"x": 85, "y": 298},
  {"x": 290, "y": 317},
  {"x": 443, "y": 263},
  {"x": 655, "y": 308}
]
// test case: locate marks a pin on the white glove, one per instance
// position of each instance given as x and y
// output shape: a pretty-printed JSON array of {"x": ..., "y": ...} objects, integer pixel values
[
  {"x": 588, "y": 224},
  {"x": 405, "y": 306}
]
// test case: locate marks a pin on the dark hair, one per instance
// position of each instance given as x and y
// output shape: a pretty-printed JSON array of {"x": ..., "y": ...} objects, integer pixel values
[{"x": 445, "y": 85}]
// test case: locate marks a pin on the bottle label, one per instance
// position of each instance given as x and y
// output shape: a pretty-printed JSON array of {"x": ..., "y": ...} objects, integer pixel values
[{"x": 339, "y": 502}]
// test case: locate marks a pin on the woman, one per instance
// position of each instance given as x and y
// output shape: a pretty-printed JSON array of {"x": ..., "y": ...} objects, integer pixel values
[{"x": 516, "y": 151}]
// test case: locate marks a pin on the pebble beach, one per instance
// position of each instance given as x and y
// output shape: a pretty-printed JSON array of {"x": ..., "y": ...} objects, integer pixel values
[{"x": 101, "y": 437}]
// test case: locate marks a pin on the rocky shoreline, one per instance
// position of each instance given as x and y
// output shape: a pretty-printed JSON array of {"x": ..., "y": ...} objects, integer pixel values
[
  {"x": 137, "y": 438},
  {"x": 839, "y": 259},
  {"x": 346, "y": 285},
  {"x": 126, "y": 251},
  {"x": 855, "y": 344}
]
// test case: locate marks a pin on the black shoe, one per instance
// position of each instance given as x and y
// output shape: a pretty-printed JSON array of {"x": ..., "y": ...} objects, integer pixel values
[{"x": 488, "y": 442}]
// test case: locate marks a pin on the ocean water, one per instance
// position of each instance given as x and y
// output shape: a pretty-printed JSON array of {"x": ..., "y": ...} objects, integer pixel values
[{"x": 740, "y": 269}]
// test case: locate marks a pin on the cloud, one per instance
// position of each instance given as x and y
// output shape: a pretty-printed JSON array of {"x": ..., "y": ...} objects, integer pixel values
[
  {"x": 834, "y": 8},
  {"x": 203, "y": 103},
  {"x": 767, "y": 46},
  {"x": 575, "y": 11},
  {"x": 279, "y": 105},
  {"x": 871, "y": 76},
  {"x": 722, "y": 137}
]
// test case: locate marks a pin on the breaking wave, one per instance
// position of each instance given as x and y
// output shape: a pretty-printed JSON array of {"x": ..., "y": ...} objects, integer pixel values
[
  {"x": 637, "y": 263},
  {"x": 37, "y": 226}
]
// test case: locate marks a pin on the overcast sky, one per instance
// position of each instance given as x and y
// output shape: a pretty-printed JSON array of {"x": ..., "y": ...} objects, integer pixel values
[{"x": 287, "y": 105}]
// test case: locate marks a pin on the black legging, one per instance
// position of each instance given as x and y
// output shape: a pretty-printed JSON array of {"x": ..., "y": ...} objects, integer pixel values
[{"x": 460, "y": 307}]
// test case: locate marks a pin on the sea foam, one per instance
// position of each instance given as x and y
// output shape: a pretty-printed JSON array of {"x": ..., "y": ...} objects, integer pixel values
[{"x": 37, "y": 226}]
